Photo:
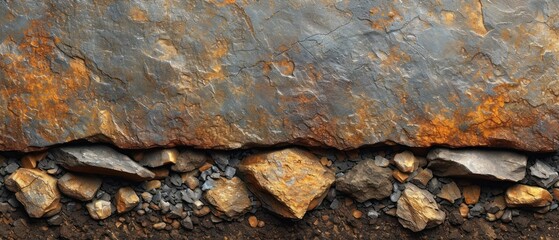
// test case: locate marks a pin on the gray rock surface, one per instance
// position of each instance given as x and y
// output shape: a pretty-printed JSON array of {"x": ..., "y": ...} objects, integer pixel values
[
  {"x": 545, "y": 175},
  {"x": 484, "y": 164},
  {"x": 100, "y": 159},
  {"x": 366, "y": 181},
  {"x": 224, "y": 74}
]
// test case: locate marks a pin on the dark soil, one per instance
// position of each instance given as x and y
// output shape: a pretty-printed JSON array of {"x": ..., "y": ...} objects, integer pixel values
[{"x": 317, "y": 224}]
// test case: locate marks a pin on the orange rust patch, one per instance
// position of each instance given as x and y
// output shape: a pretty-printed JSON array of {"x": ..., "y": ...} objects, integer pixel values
[
  {"x": 214, "y": 55},
  {"x": 222, "y": 3},
  {"x": 138, "y": 15},
  {"x": 474, "y": 17},
  {"x": 448, "y": 17},
  {"x": 383, "y": 18},
  {"x": 286, "y": 67}
]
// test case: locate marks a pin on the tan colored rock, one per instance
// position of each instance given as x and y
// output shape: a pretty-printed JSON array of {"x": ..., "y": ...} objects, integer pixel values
[
  {"x": 126, "y": 199},
  {"x": 159, "y": 157},
  {"x": 189, "y": 160},
  {"x": 417, "y": 209},
  {"x": 229, "y": 198},
  {"x": 289, "y": 182},
  {"x": 81, "y": 187},
  {"x": 527, "y": 196},
  {"x": 464, "y": 210},
  {"x": 556, "y": 193},
  {"x": 36, "y": 190},
  {"x": 160, "y": 172},
  {"x": 471, "y": 194},
  {"x": 450, "y": 192},
  {"x": 153, "y": 184},
  {"x": 99, "y": 209},
  {"x": 406, "y": 162},
  {"x": 253, "y": 221},
  {"x": 400, "y": 176},
  {"x": 30, "y": 160}
]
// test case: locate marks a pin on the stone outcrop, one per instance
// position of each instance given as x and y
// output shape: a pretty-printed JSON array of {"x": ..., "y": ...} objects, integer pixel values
[
  {"x": 36, "y": 190},
  {"x": 366, "y": 181},
  {"x": 289, "y": 182},
  {"x": 484, "y": 164},
  {"x": 229, "y": 198},
  {"x": 417, "y": 209},
  {"x": 230, "y": 74},
  {"x": 81, "y": 187},
  {"x": 99, "y": 159}
]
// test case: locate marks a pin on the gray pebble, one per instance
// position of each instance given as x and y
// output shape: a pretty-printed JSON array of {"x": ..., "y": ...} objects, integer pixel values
[
  {"x": 12, "y": 167},
  {"x": 372, "y": 214},
  {"x": 187, "y": 223},
  {"x": 208, "y": 184},
  {"x": 230, "y": 172},
  {"x": 381, "y": 161},
  {"x": 335, "y": 204},
  {"x": 55, "y": 220}
]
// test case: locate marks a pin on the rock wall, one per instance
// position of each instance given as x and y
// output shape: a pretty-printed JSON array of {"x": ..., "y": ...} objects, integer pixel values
[{"x": 230, "y": 74}]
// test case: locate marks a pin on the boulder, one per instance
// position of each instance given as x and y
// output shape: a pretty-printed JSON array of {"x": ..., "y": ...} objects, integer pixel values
[
  {"x": 521, "y": 195},
  {"x": 417, "y": 209},
  {"x": 81, "y": 187},
  {"x": 406, "y": 162},
  {"x": 99, "y": 209},
  {"x": 289, "y": 182},
  {"x": 36, "y": 191},
  {"x": 99, "y": 159},
  {"x": 229, "y": 198},
  {"x": 231, "y": 74},
  {"x": 126, "y": 199},
  {"x": 160, "y": 157},
  {"x": 476, "y": 163},
  {"x": 189, "y": 160},
  {"x": 366, "y": 181}
]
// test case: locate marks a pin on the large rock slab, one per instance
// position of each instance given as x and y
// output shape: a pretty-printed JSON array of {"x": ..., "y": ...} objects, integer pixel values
[
  {"x": 229, "y": 74},
  {"x": 484, "y": 164},
  {"x": 289, "y": 182},
  {"x": 366, "y": 181},
  {"x": 99, "y": 159},
  {"x": 36, "y": 190},
  {"x": 417, "y": 209}
]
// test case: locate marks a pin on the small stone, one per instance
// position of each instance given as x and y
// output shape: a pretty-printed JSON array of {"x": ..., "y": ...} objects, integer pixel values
[
  {"x": 208, "y": 184},
  {"x": 253, "y": 221},
  {"x": 192, "y": 182},
  {"x": 381, "y": 161},
  {"x": 417, "y": 209},
  {"x": 450, "y": 192},
  {"x": 81, "y": 187},
  {"x": 464, "y": 210},
  {"x": 30, "y": 160},
  {"x": 230, "y": 172},
  {"x": 189, "y": 160},
  {"x": 55, "y": 220},
  {"x": 159, "y": 226},
  {"x": 324, "y": 161},
  {"x": 423, "y": 177},
  {"x": 507, "y": 216},
  {"x": 357, "y": 214},
  {"x": 206, "y": 166},
  {"x": 373, "y": 214},
  {"x": 153, "y": 184},
  {"x": 126, "y": 199},
  {"x": 229, "y": 198},
  {"x": 555, "y": 192},
  {"x": 146, "y": 196},
  {"x": 202, "y": 211},
  {"x": 160, "y": 173},
  {"x": 471, "y": 194},
  {"x": 366, "y": 181},
  {"x": 527, "y": 196},
  {"x": 99, "y": 209},
  {"x": 6, "y": 207},
  {"x": 400, "y": 176},
  {"x": 176, "y": 180},
  {"x": 36, "y": 190},
  {"x": 160, "y": 157},
  {"x": 187, "y": 223},
  {"x": 261, "y": 224},
  {"x": 12, "y": 167},
  {"x": 406, "y": 162}
]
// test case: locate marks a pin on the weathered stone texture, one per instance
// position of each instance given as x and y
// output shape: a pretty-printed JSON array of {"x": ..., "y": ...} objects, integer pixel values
[{"x": 229, "y": 74}]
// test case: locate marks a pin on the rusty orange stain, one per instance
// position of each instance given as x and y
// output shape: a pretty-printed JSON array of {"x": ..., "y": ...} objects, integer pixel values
[
  {"x": 383, "y": 18},
  {"x": 285, "y": 66},
  {"x": 138, "y": 15},
  {"x": 474, "y": 17}
]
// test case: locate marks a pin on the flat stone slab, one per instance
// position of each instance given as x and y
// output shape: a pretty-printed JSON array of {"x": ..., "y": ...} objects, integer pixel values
[{"x": 231, "y": 74}]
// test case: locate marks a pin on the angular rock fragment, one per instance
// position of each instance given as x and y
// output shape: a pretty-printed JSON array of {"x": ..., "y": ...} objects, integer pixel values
[
  {"x": 189, "y": 160},
  {"x": 417, "y": 209},
  {"x": 99, "y": 209},
  {"x": 126, "y": 199},
  {"x": 400, "y": 176},
  {"x": 99, "y": 159},
  {"x": 521, "y": 195},
  {"x": 366, "y": 181},
  {"x": 289, "y": 182},
  {"x": 406, "y": 162},
  {"x": 545, "y": 174},
  {"x": 229, "y": 198},
  {"x": 36, "y": 190},
  {"x": 81, "y": 187},
  {"x": 423, "y": 177},
  {"x": 483, "y": 164},
  {"x": 30, "y": 160},
  {"x": 471, "y": 194},
  {"x": 160, "y": 157},
  {"x": 450, "y": 192}
]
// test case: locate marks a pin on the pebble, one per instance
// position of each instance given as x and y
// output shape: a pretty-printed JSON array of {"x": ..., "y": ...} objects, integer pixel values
[
  {"x": 11, "y": 168},
  {"x": 187, "y": 223},
  {"x": 230, "y": 172},
  {"x": 261, "y": 224},
  {"x": 253, "y": 221},
  {"x": 507, "y": 216},
  {"x": 159, "y": 225},
  {"x": 335, "y": 204},
  {"x": 357, "y": 214},
  {"x": 381, "y": 161},
  {"x": 192, "y": 182},
  {"x": 55, "y": 220},
  {"x": 208, "y": 184},
  {"x": 373, "y": 214}
]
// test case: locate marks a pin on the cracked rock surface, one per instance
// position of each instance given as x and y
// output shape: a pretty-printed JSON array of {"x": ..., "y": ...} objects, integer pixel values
[{"x": 230, "y": 74}]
